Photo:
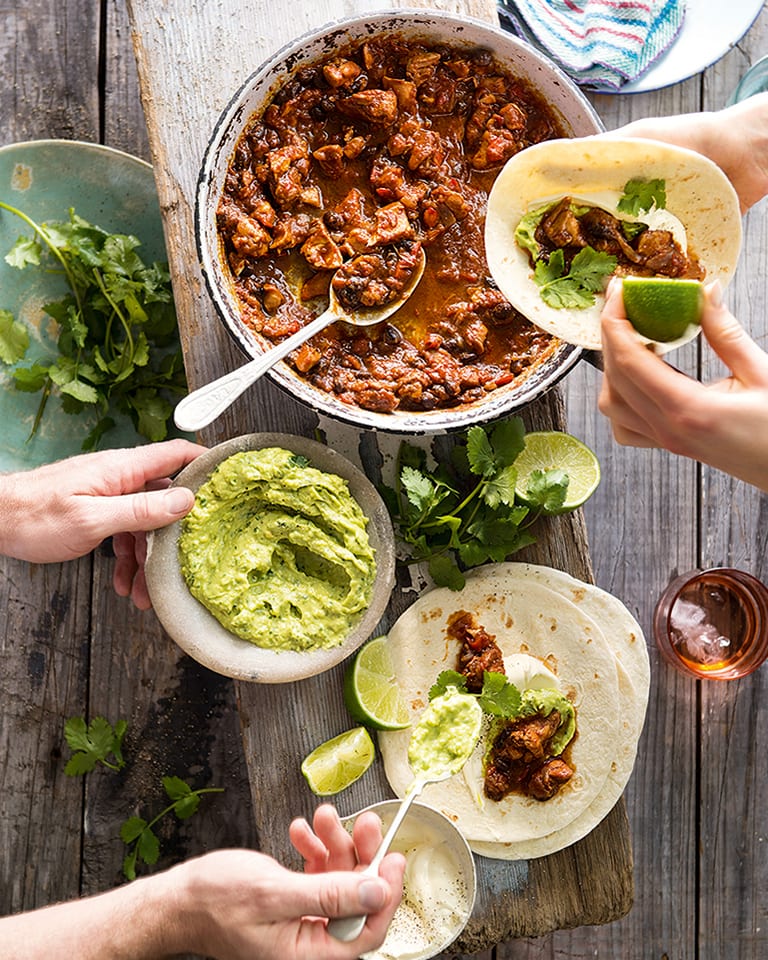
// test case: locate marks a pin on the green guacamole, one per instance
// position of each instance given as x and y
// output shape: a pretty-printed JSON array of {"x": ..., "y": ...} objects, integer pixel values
[
  {"x": 446, "y": 734},
  {"x": 278, "y": 551},
  {"x": 544, "y": 701}
]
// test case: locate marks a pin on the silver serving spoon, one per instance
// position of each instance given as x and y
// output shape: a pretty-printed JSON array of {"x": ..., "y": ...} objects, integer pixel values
[
  {"x": 446, "y": 759},
  {"x": 205, "y": 404}
]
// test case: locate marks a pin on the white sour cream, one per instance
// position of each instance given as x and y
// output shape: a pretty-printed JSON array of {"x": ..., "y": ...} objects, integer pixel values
[
  {"x": 529, "y": 673},
  {"x": 435, "y": 902}
]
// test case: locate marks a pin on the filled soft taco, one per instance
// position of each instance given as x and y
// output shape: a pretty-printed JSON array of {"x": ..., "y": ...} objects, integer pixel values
[
  {"x": 566, "y": 215},
  {"x": 554, "y": 645}
]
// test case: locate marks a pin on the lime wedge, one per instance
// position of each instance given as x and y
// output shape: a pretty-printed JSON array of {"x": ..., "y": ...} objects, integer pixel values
[
  {"x": 553, "y": 450},
  {"x": 337, "y": 763},
  {"x": 371, "y": 691},
  {"x": 662, "y": 308}
]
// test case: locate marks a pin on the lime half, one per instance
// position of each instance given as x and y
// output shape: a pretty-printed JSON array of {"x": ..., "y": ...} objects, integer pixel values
[
  {"x": 371, "y": 691},
  {"x": 662, "y": 308},
  {"x": 337, "y": 763},
  {"x": 553, "y": 450}
]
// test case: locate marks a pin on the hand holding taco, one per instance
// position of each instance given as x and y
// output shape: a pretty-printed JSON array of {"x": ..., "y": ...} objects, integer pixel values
[{"x": 565, "y": 216}]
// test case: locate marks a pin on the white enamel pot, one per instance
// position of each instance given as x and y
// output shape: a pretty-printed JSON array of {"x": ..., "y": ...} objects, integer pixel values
[{"x": 578, "y": 118}]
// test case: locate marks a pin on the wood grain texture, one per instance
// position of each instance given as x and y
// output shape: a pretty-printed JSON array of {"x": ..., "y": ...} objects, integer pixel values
[
  {"x": 733, "y": 531},
  {"x": 69, "y": 645},
  {"x": 696, "y": 802},
  {"x": 44, "y": 630}
]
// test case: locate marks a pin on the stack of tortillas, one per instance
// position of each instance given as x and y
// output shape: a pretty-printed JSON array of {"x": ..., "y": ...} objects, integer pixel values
[{"x": 584, "y": 637}]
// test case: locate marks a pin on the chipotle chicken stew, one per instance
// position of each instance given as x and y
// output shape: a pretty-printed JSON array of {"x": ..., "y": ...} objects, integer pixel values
[
  {"x": 520, "y": 758},
  {"x": 357, "y": 163}
]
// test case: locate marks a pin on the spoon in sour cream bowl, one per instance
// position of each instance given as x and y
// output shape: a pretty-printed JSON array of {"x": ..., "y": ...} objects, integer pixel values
[
  {"x": 441, "y": 743},
  {"x": 365, "y": 290}
]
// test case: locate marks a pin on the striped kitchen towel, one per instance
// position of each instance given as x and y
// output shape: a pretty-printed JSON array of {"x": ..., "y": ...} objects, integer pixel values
[{"x": 601, "y": 44}]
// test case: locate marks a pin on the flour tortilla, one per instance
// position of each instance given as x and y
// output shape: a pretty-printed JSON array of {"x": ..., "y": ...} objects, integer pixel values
[
  {"x": 526, "y": 616},
  {"x": 596, "y": 169},
  {"x": 630, "y": 726},
  {"x": 622, "y": 631}
]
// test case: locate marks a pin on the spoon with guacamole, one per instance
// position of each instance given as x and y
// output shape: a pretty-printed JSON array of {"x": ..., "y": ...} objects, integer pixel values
[{"x": 441, "y": 743}]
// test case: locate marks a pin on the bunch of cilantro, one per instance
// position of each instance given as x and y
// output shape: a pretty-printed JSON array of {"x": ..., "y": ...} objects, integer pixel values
[
  {"x": 118, "y": 345},
  {"x": 463, "y": 513}
]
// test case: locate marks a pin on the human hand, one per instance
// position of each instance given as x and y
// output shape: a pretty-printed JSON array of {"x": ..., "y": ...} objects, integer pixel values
[
  {"x": 650, "y": 404},
  {"x": 735, "y": 138},
  {"x": 229, "y": 904},
  {"x": 245, "y": 906},
  {"x": 64, "y": 510}
]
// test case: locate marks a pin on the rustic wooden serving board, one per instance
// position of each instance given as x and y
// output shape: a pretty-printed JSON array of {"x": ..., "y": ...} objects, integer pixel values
[{"x": 191, "y": 58}]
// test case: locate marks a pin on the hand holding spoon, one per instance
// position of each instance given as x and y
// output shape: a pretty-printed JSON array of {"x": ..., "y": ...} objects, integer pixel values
[
  {"x": 205, "y": 404},
  {"x": 436, "y": 752}
]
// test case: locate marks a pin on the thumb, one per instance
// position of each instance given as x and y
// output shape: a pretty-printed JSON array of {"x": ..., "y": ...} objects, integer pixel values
[
  {"x": 148, "y": 510},
  {"x": 730, "y": 341},
  {"x": 613, "y": 308},
  {"x": 613, "y": 316},
  {"x": 334, "y": 894}
]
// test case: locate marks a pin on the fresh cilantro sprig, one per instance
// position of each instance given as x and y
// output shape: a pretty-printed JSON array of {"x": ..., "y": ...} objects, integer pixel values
[
  {"x": 574, "y": 288},
  {"x": 94, "y": 743},
  {"x": 499, "y": 697},
  {"x": 463, "y": 513},
  {"x": 118, "y": 346},
  {"x": 137, "y": 833},
  {"x": 642, "y": 195}
]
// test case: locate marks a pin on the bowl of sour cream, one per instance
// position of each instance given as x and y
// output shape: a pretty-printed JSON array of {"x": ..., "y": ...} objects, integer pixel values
[{"x": 439, "y": 885}]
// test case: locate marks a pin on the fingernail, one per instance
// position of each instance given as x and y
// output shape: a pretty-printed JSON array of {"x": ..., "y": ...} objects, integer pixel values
[
  {"x": 715, "y": 293},
  {"x": 178, "y": 500},
  {"x": 372, "y": 895}
]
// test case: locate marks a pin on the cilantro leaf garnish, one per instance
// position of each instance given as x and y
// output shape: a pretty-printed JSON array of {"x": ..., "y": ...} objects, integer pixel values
[
  {"x": 575, "y": 288},
  {"x": 499, "y": 697},
  {"x": 445, "y": 679},
  {"x": 118, "y": 341},
  {"x": 463, "y": 512},
  {"x": 93, "y": 743},
  {"x": 445, "y": 573},
  {"x": 642, "y": 195},
  {"x": 547, "y": 489}
]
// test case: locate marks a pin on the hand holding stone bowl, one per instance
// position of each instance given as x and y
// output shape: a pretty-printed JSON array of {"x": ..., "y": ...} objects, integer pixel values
[{"x": 220, "y": 645}]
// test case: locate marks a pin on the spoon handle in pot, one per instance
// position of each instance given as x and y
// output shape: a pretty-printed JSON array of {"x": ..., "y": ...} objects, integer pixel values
[
  {"x": 350, "y": 928},
  {"x": 205, "y": 404}
]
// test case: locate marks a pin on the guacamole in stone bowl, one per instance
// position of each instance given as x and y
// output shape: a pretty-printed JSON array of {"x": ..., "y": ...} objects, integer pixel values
[{"x": 283, "y": 567}]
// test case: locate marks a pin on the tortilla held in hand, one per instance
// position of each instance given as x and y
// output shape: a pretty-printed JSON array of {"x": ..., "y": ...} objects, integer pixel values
[
  {"x": 566, "y": 215},
  {"x": 546, "y": 640}
]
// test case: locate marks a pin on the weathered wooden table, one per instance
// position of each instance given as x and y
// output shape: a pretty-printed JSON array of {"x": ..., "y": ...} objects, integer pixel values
[{"x": 70, "y": 646}]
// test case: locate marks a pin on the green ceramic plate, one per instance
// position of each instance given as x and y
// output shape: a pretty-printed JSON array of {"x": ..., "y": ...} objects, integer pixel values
[{"x": 44, "y": 178}]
